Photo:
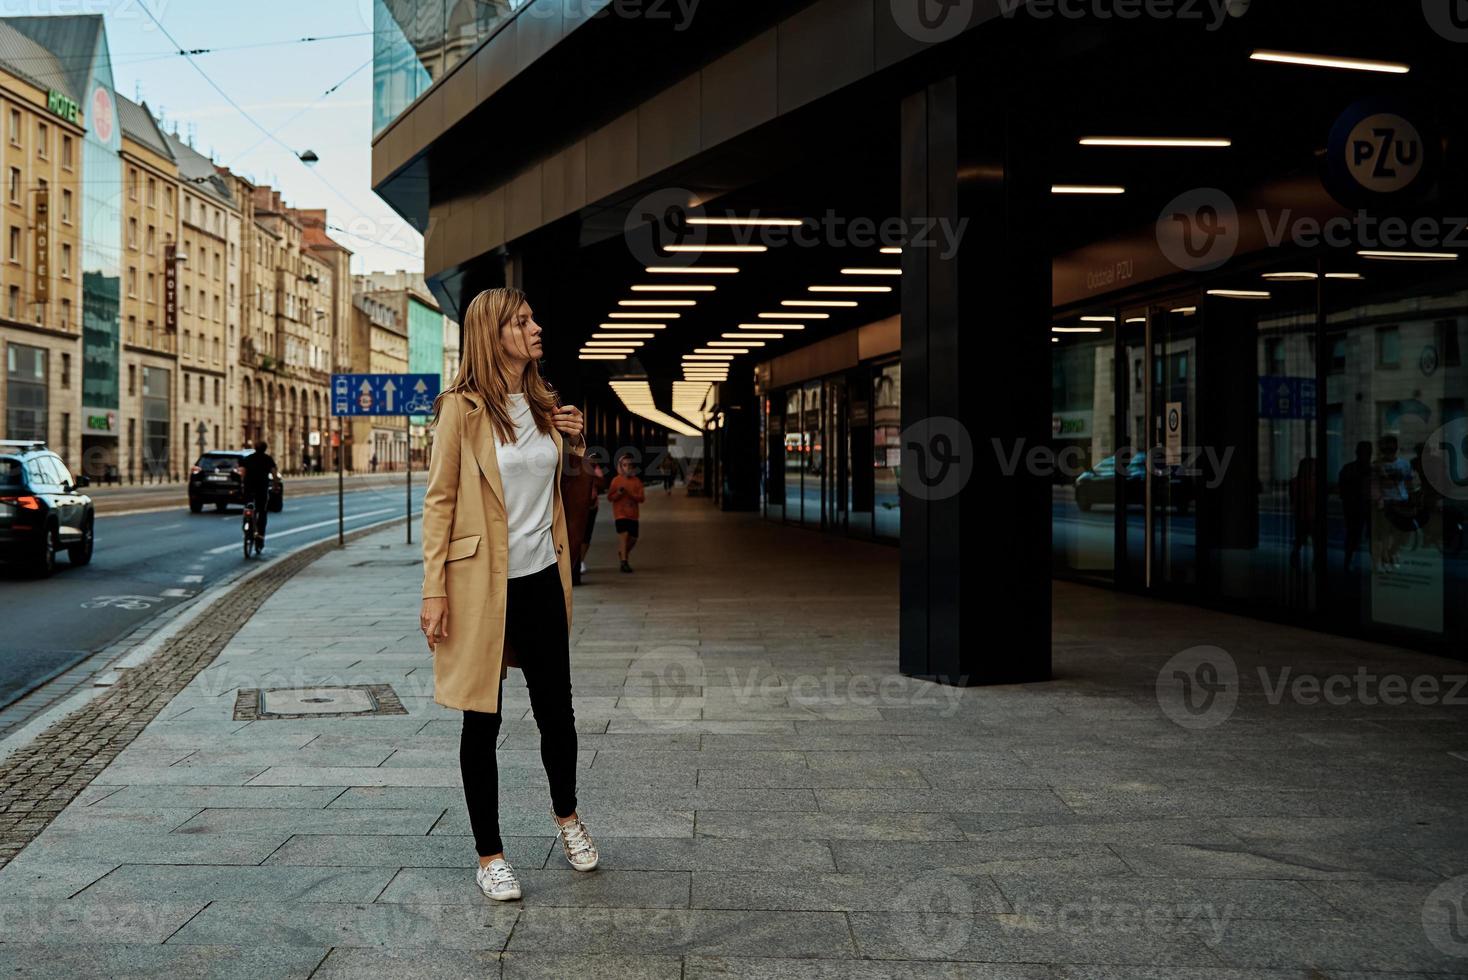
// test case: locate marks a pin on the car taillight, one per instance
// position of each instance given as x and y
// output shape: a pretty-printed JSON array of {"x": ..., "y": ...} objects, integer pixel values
[{"x": 25, "y": 503}]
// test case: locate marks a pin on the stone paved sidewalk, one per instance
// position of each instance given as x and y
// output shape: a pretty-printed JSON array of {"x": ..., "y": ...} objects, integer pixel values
[{"x": 770, "y": 798}]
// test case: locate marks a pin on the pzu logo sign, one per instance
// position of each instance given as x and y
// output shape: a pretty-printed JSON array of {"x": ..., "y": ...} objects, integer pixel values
[{"x": 1377, "y": 153}]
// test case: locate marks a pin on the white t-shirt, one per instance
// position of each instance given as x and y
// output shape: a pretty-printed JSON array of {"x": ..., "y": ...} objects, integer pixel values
[{"x": 527, "y": 468}]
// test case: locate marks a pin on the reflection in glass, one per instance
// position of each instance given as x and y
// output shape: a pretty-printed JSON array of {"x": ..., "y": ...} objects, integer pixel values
[
  {"x": 887, "y": 448},
  {"x": 1083, "y": 440}
]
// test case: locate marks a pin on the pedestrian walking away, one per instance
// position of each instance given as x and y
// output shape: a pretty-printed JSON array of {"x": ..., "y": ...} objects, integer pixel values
[
  {"x": 497, "y": 568},
  {"x": 259, "y": 467},
  {"x": 627, "y": 495}
]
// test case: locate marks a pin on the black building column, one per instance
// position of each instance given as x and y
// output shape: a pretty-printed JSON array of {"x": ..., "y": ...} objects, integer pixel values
[{"x": 975, "y": 545}]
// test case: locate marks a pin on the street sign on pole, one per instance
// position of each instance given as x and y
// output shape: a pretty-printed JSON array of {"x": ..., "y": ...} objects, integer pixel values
[
  {"x": 356, "y": 395},
  {"x": 383, "y": 394}
]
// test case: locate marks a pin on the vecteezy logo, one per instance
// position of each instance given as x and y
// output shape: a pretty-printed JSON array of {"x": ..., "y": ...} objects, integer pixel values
[
  {"x": 1199, "y": 230},
  {"x": 944, "y": 914},
  {"x": 1445, "y": 459},
  {"x": 1445, "y": 916},
  {"x": 1199, "y": 687},
  {"x": 664, "y": 687},
  {"x": 660, "y": 221},
  {"x": 1448, "y": 17},
  {"x": 937, "y": 458},
  {"x": 932, "y": 21}
]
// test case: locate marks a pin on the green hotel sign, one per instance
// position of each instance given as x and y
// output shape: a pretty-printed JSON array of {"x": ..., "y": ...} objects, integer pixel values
[{"x": 60, "y": 105}]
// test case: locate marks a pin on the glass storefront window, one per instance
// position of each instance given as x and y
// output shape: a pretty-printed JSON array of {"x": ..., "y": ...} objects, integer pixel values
[
  {"x": 25, "y": 392},
  {"x": 794, "y": 450},
  {"x": 887, "y": 449},
  {"x": 813, "y": 451},
  {"x": 1083, "y": 438}
]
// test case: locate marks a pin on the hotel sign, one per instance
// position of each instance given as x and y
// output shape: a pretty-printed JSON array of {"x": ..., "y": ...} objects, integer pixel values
[
  {"x": 170, "y": 288},
  {"x": 64, "y": 107},
  {"x": 40, "y": 260}
]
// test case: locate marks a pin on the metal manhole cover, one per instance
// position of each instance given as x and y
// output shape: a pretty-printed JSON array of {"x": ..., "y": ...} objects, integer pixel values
[{"x": 359, "y": 700}]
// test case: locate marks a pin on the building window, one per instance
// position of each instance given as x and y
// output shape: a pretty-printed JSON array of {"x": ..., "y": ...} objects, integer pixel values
[
  {"x": 188, "y": 295},
  {"x": 25, "y": 392},
  {"x": 216, "y": 396},
  {"x": 151, "y": 242},
  {"x": 188, "y": 209},
  {"x": 12, "y": 302},
  {"x": 14, "y": 127},
  {"x": 65, "y": 370},
  {"x": 66, "y": 151},
  {"x": 65, "y": 260},
  {"x": 168, "y": 200},
  {"x": 132, "y": 330},
  {"x": 14, "y": 244},
  {"x": 1388, "y": 347},
  {"x": 132, "y": 381},
  {"x": 66, "y": 314},
  {"x": 43, "y": 134},
  {"x": 151, "y": 336},
  {"x": 1450, "y": 353},
  {"x": 132, "y": 183},
  {"x": 188, "y": 381},
  {"x": 132, "y": 233},
  {"x": 152, "y": 287},
  {"x": 65, "y": 206},
  {"x": 14, "y": 185},
  {"x": 132, "y": 280},
  {"x": 152, "y": 193}
]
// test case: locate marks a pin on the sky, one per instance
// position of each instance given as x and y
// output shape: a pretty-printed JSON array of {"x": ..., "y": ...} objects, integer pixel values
[{"x": 260, "y": 63}]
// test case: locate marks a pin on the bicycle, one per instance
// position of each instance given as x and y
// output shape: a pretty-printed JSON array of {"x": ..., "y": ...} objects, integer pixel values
[{"x": 249, "y": 528}]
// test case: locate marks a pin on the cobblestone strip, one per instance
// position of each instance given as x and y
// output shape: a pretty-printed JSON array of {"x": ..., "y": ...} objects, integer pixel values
[{"x": 39, "y": 780}]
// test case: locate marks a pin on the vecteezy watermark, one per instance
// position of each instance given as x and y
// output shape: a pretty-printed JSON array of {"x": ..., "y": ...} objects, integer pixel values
[
  {"x": 679, "y": 13},
  {"x": 664, "y": 687},
  {"x": 1445, "y": 459},
  {"x": 671, "y": 226},
  {"x": 1363, "y": 687},
  {"x": 1205, "y": 465},
  {"x": 1199, "y": 229},
  {"x": 942, "y": 907},
  {"x": 932, "y": 21},
  {"x": 1448, "y": 17},
  {"x": 1199, "y": 687},
  {"x": 1445, "y": 916},
  {"x": 1098, "y": 916},
  {"x": 1213, "y": 14},
  {"x": 937, "y": 458}
]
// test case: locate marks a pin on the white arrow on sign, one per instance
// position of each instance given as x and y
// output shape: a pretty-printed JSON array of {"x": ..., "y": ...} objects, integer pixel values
[
  {"x": 387, "y": 389},
  {"x": 420, "y": 387}
]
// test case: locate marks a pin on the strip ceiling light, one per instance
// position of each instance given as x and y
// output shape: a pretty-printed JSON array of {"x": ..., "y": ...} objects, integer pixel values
[
  {"x": 644, "y": 316},
  {"x": 615, "y": 343},
  {"x": 694, "y": 249},
  {"x": 819, "y": 302},
  {"x": 1330, "y": 61},
  {"x": 736, "y": 343},
  {"x": 850, "y": 289},
  {"x": 892, "y": 250},
  {"x": 772, "y": 326},
  {"x": 1075, "y": 329},
  {"x": 714, "y": 350},
  {"x": 623, "y": 336},
  {"x": 1087, "y": 189},
  {"x": 633, "y": 326},
  {"x": 1172, "y": 141},
  {"x": 1344, "y": 275},
  {"x": 637, "y": 396},
  {"x": 1290, "y": 276},
  {"x": 753, "y": 336},
  {"x": 1408, "y": 256},
  {"x": 601, "y": 357},
  {"x": 1098, "y": 318},
  {"x": 674, "y": 287},
  {"x": 795, "y": 316},
  {"x": 1239, "y": 293},
  {"x": 657, "y": 302},
  {"x": 862, "y": 271},
  {"x": 708, "y": 357},
  {"x": 689, "y": 399},
  {"x": 755, "y": 222},
  {"x": 693, "y": 270}
]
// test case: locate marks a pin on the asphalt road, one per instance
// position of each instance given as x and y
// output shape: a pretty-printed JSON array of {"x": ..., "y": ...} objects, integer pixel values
[{"x": 144, "y": 563}]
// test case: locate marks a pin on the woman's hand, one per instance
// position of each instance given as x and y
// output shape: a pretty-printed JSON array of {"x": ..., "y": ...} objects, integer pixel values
[
  {"x": 433, "y": 620},
  {"x": 568, "y": 420}
]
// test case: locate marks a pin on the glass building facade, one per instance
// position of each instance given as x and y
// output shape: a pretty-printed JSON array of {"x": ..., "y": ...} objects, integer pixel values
[{"x": 102, "y": 189}]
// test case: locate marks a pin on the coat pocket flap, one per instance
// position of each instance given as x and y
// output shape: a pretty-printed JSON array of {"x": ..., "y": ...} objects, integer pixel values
[{"x": 463, "y": 547}]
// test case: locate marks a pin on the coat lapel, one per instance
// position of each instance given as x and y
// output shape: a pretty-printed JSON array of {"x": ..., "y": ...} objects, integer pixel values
[{"x": 480, "y": 437}]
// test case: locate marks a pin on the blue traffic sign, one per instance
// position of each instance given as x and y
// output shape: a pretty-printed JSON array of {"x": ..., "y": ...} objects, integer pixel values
[{"x": 383, "y": 394}]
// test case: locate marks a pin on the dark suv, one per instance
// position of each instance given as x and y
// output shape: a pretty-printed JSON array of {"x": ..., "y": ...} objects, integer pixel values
[
  {"x": 40, "y": 509},
  {"x": 218, "y": 478}
]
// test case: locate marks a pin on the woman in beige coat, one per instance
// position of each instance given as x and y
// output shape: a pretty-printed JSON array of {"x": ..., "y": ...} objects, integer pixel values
[{"x": 497, "y": 568}]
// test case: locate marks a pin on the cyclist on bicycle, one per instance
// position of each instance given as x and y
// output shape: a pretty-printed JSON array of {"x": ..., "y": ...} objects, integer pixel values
[{"x": 259, "y": 467}]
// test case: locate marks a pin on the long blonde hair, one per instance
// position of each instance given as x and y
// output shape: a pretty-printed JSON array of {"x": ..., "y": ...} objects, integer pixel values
[{"x": 483, "y": 365}]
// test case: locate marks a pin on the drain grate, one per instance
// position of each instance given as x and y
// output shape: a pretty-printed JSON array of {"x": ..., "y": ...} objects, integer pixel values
[{"x": 357, "y": 701}]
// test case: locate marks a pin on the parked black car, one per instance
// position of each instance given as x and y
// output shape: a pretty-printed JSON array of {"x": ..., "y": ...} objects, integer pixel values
[
  {"x": 1098, "y": 484},
  {"x": 41, "y": 511},
  {"x": 218, "y": 478}
]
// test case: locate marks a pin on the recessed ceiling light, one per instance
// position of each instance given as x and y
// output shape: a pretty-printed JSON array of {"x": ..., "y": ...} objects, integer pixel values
[
  {"x": 850, "y": 289},
  {"x": 752, "y": 336},
  {"x": 795, "y": 316},
  {"x": 678, "y": 249},
  {"x": 1344, "y": 275},
  {"x": 740, "y": 344},
  {"x": 754, "y": 222},
  {"x": 1185, "y": 310},
  {"x": 862, "y": 271},
  {"x": 1408, "y": 256},
  {"x": 633, "y": 326},
  {"x": 708, "y": 357},
  {"x": 657, "y": 302},
  {"x": 891, "y": 250},
  {"x": 601, "y": 357},
  {"x": 1136, "y": 319},
  {"x": 1330, "y": 61},
  {"x": 674, "y": 287},
  {"x": 1173, "y": 141},
  {"x": 1239, "y": 293},
  {"x": 1098, "y": 318},
  {"x": 772, "y": 326},
  {"x": 623, "y": 336},
  {"x": 644, "y": 316},
  {"x": 1086, "y": 189},
  {"x": 1075, "y": 329},
  {"x": 614, "y": 343},
  {"x": 1290, "y": 276},
  {"x": 693, "y": 270},
  {"x": 845, "y": 303}
]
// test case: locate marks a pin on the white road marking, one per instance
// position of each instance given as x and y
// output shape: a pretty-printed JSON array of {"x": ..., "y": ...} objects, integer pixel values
[
  {"x": 167, "y": 527},
  {"x": 191, "y": 578},
  {"x": 276, "y": 535},
  {"x": 177, "y": 593}
]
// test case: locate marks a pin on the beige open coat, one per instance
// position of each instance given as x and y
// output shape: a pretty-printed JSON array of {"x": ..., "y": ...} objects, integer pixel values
[{"x": 466, "y": 553}]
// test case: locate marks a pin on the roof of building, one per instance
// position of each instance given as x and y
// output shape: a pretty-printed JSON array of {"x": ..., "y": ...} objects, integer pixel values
[
  {"x": 139, "y": 126},
  {"x": 199, "y": 170},
  {"x": 313, "y": 230},
  {"x": 53, "y": 52}
]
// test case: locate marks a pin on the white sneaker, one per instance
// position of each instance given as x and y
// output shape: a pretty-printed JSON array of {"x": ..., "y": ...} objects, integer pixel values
[
  {"x": 497, "y": 880},
  {"x": 583, "y": 568},
  {"x": 576, "y": 843}
]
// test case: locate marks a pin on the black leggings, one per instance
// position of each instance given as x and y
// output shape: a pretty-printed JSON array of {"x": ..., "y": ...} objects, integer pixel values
[{"x": 535, "y": 625}]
